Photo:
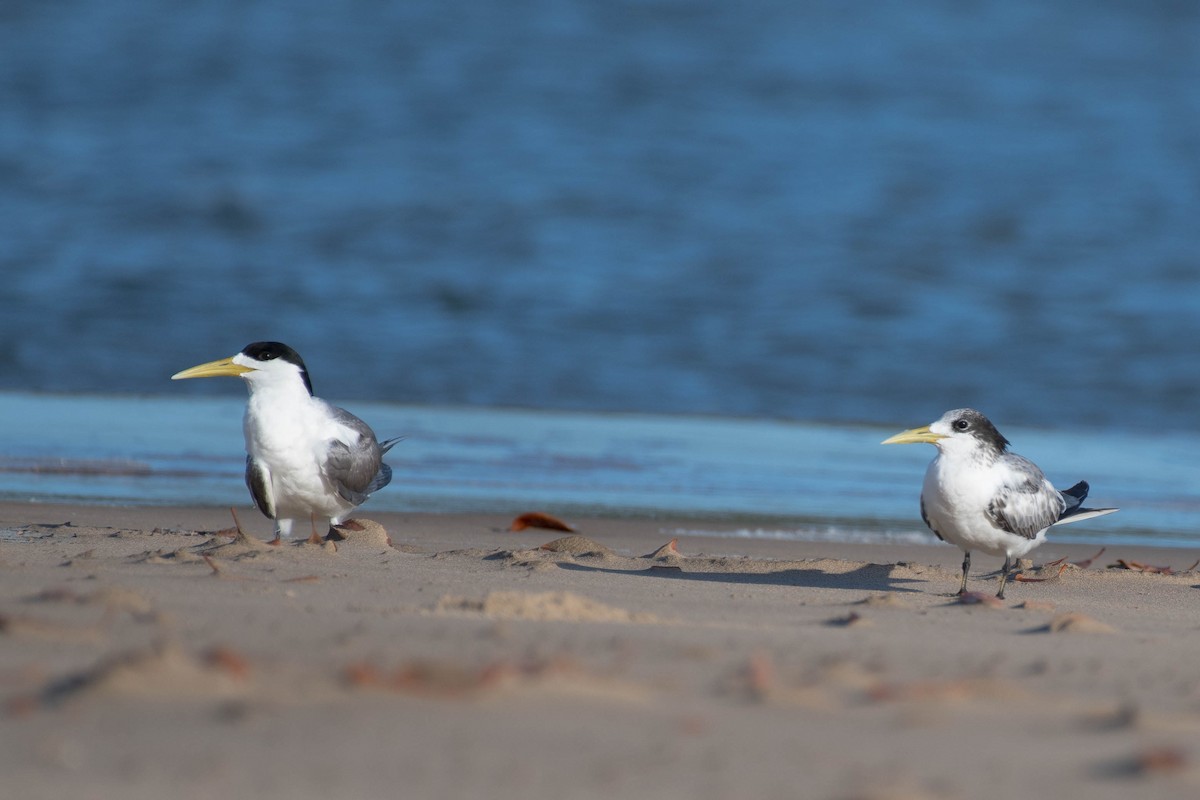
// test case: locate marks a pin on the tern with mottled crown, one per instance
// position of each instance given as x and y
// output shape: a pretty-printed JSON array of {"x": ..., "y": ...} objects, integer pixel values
[{"x": 979, "y": 496}]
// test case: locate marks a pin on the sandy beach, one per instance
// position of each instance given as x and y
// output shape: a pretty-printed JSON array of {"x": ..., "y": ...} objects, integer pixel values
[{"x": 151, "y": 653}]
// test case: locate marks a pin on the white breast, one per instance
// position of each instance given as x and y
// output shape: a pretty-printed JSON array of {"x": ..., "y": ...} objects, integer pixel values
[
  {"x": 290, "y": 435},
  {"x": 956, "y": 495}
]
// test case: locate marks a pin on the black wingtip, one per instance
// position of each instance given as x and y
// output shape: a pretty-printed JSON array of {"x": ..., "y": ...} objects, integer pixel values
[
  {"x": 1079, "y": 491},
  {"x": 388, "y": 444}
]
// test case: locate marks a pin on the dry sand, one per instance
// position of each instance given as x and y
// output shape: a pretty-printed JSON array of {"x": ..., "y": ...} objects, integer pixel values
[{"x": 146, "y": 653}]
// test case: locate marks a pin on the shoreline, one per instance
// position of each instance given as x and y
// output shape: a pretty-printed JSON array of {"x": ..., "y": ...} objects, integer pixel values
[
  {"x": 151, "y": 654},
  {"x": 630, "y": 531}
]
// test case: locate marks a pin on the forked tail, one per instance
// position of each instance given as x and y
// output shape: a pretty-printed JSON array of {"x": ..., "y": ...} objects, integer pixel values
[{"x": 1075, "y": 512}]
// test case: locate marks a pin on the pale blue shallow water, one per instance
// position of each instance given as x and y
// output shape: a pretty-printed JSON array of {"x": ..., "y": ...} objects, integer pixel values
[
  {"x": 770, "y": 478},
  {"x": 703, "y": 242}
]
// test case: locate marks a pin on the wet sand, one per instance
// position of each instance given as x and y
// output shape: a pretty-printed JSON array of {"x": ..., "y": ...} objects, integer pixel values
[{"x": 150, "y": 653}]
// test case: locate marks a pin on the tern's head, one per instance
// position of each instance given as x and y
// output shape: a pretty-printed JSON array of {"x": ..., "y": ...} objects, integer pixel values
[
  {"x": 960, "y": 430},
  {"x": 260, "y": 364}
]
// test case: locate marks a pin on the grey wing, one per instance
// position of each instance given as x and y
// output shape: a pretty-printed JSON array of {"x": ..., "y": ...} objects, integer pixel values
[
  {"x": 356, "y": 470},
  {"x": 258, "y": 481},
  {"x": 1026, "y": 504}
]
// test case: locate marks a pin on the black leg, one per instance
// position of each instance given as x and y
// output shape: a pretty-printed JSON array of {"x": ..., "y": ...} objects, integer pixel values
[
  {"x": 966, "y": 568},
  {"x": 1004, "y": 576}
]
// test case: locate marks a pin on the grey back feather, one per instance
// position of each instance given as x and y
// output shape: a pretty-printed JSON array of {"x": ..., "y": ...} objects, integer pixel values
[
  {"x": 357, "y": 470},
  {"x": 1027, "y": 504}
]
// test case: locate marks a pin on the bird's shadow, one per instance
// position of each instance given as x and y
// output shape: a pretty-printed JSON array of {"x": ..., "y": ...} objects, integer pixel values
[{"x": 868, "y": 577}]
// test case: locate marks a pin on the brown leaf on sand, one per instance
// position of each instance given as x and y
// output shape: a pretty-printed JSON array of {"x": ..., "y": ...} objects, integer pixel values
[
  {"x": 1074, "y": 622},
  {"x": 538, "y": 519},
  {"x": 668, "y": 550},
  {"x": 1160, "y": 759},
  {"x": 1138, "y": 566},
  {"x": 576, "y": 546},
  {"x": 227, "y": 660},
  {"x": 1087, "y": 562}
]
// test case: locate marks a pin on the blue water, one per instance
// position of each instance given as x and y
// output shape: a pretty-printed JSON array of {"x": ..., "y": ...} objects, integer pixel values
[
  {"x": 805, "y": 211},
  {"x": 747, "y": 477},
  {"x": 720, "y": 242}
]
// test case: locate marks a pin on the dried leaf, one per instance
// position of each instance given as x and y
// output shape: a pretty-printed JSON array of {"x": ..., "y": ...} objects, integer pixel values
[
  {"x": 223, "y": 658},
  {"x": 666, "y": 551},
  {"x": 1160, "y": 759},
  {"x": 1087, "y": 562},
  {"x": 1137, "y": 566},
  {"x": 538, "y": 519}
]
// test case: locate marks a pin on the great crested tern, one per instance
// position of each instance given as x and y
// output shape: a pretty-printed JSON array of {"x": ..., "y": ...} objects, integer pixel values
[
  {"x": 979, "y": 496},
  {"x": 306, "y": 459}
]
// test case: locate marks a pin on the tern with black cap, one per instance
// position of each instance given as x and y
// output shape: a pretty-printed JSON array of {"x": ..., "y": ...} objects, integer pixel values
[{"x": 306, "y": 459}]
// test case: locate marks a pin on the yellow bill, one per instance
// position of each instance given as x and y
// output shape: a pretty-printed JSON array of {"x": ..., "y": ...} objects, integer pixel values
[
  {"x": 213, "y": 369},
  {"x": 915, "y": 436}
]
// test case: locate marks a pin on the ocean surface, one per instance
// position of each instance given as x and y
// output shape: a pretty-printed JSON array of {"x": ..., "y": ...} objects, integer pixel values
[
  {"x": 724, "y": 476},
  {"x": 784, "y": 221}
]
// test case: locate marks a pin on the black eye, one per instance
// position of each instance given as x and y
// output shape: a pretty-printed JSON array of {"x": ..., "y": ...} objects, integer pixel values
[{"x": 961, "y": 424}]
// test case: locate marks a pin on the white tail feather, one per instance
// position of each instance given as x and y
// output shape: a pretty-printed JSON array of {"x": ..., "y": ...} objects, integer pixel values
[{"x": 1087, "y": 513}]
